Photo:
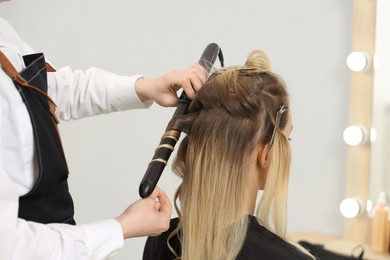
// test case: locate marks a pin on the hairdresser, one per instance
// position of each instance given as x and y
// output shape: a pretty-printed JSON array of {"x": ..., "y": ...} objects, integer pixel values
[{"x": 36, "y": 208}]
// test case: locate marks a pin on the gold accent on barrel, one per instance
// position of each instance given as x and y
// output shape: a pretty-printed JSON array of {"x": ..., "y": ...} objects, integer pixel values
[
  {"x": 159, "y": 160},
  {"x": 173, "y": 134},
  {"x": 169, "y": 146}
]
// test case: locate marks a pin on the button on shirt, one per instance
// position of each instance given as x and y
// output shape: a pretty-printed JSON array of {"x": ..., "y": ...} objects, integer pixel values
[{"x": 77, "y": 94}]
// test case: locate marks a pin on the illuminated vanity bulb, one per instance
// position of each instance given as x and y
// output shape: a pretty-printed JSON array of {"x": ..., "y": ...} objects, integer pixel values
[
  {"x": 351, "y": 207},
  {"x": 355, "y": 135},
  {"x": 369, "y": 207},
  {"x": 373, "y": 135},
  {"x": 358, "y": 61},
  {"x": 376, "y": 62}
]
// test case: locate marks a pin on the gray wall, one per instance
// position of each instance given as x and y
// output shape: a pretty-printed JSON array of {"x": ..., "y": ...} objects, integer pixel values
[{"x": 307, "y": 40}]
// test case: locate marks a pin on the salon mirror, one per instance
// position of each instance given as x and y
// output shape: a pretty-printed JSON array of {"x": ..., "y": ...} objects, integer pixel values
[{"x": 380, "y": 148}]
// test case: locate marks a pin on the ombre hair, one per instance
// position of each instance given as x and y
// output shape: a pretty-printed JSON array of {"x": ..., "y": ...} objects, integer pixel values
[{"x": 233, "y": 113}]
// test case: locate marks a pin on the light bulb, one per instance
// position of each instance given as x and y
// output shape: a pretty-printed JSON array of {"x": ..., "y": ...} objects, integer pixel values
[
  {"x": 376, "y": 62},
  {"x": 369, "y": 206},
  {"x": 373, "y": 135},
  {"x": 351, "y": 207},
  {"x": 355, "y": 135},
  {"x": 358, "y": 61}
]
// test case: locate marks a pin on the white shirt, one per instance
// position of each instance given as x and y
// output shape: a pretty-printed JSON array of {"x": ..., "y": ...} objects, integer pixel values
[{"x": 77, "y": 94}]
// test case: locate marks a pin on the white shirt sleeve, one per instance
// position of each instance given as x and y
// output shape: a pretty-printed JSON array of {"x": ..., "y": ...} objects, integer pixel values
[
  {"x": 81, "y": 94},
  {"x": 77, "y": 94},
  {"x": 20, "y": 239}
]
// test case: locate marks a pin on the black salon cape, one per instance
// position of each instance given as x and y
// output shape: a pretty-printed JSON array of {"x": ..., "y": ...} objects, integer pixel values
[{"x": 260, "y": 243}]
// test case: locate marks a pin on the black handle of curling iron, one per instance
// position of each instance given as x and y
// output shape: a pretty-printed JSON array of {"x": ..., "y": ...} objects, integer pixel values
[{"x": 171, "y": 136}]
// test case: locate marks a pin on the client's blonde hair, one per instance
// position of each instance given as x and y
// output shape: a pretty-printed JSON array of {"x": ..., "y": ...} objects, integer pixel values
[{"x": 233, "y": 113}]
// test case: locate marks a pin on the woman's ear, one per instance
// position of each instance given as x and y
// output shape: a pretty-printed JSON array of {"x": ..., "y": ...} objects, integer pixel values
[{"x": 264, "y": 157}]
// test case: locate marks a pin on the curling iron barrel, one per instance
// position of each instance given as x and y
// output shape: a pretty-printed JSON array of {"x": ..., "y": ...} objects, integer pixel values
[{"x": 171, "y": 136}]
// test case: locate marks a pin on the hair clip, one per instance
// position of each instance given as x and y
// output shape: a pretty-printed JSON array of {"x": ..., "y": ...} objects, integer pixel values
[{"x": 277, "y": 123}]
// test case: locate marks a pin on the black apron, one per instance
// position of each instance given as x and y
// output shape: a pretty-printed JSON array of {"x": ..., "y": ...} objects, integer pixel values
[{"x": 49, "y": 201}]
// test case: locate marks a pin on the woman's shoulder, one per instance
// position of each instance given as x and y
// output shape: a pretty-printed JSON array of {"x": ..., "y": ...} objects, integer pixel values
[
  {"x": 260, "y": 243},
  {"x": 157, "y": 247},
  {"x": 264, "y": 244}
]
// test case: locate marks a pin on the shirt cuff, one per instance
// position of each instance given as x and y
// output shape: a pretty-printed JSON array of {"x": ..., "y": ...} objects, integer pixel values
[
  {"x": 104, "y": 238},
  {"x": 122, "y": 95}
]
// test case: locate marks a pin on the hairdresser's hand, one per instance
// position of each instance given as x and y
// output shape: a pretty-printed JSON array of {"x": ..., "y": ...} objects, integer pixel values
[
  {"x": 163, "y": 90},
  {"x": 146, "y": 217}
]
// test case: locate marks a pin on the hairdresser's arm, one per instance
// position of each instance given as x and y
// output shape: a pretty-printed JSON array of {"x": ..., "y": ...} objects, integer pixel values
[
  {"x": 81, "y": 94},
  {"x": 20, "y": 238}
]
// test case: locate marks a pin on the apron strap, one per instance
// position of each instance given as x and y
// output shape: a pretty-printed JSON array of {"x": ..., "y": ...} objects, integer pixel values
[
  {"x": 16, "y": 77},
  {"x": 49, "y": 68}
]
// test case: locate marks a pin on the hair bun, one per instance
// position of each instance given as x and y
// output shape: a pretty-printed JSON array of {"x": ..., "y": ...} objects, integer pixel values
[{"x": 258, "y": 61}]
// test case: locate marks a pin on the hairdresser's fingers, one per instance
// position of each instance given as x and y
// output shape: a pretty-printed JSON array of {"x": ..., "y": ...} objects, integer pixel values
[
  {"x": 166, "y": 207},
  {"x": 202, "y": 77},
  {"x": 197, "y": 78},
  {"x": 196, "y": 83},
  {"x": 187, "y": 87},
  {"x": 157, "y": 206}
]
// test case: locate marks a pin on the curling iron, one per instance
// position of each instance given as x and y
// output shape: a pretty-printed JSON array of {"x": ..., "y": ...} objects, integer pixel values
[{"x": 171, "y": 136}]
